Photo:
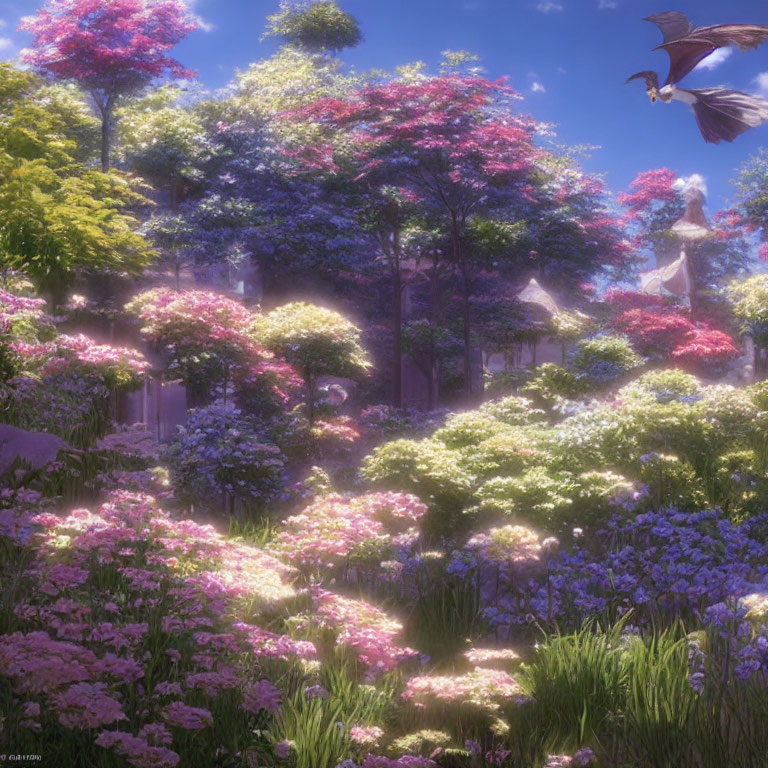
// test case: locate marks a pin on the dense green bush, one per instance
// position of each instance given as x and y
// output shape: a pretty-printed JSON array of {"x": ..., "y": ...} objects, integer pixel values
[
  {"x": 604, "y": 359},
  {"x": 551, "y": 383},
  {"x": 554, "y": 501},
  {"x": 426, "y": 468},
  {"x": 514, "y": 410}
]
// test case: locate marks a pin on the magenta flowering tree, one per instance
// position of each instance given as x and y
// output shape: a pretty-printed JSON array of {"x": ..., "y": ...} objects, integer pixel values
[
  {"x": 110, "y": 47},
  {"x": 451, "y": 141}
]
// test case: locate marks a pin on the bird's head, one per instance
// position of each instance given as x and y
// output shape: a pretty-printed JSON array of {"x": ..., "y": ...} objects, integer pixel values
[{"x": 651, "y": 84}]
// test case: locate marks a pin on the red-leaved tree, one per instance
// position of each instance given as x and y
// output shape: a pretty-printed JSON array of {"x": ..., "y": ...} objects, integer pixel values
[
  {"x": 110, "y": 47},
  {"x": 450, "y": 141}
]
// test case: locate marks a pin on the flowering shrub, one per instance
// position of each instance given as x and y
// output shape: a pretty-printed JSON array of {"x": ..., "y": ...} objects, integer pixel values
[
  {"x": 335, "y": 432},
  {"x": 210, "y": 342},
  {"x": 123, "y": 638},
  {"x": 117, "y": 366},
  {"x": 485, "y": 688},
  {"x": 336, "y": 531},
  {"x": 22, "y": 319},
  {"x": 654, "y": 333},
  {"x": 625, "y": 301},
  {"x": 471, "y": 703},
  {"x": 706, "y": 347},
  {"x": 359, "y": 628},
  {"x": 219, "y": 451}
]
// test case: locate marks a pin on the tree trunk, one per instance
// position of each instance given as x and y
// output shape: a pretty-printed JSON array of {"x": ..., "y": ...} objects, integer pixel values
[
  {"x": 467, "y": 335},
  {"x": 434, "y": 298},
  {"x": 106, "y": 141},
  {"x": 106, "y": 107},
  {"x": 174, "y": 193},
  {"x": 397, "y": 323}
]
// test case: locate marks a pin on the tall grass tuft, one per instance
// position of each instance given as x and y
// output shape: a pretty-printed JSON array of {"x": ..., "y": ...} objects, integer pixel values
[
  {"x": 660, "y": 704},
  {"x": 445, "y": 619},
  {"x": 578, "y": 682},
  {"x": 319, "y": 727}
]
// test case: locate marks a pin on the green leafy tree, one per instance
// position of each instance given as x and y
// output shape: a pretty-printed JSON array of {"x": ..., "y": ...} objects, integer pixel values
[
  {"x": 164, "y": 140},
  {"x": 57, "y": 217},
  {"x": 316, "y": 341},
  {"x": 315, "y": 25}
]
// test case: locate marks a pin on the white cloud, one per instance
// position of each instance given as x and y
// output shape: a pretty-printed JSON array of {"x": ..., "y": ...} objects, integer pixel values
[
  {"x": 5, "y": 43},
  {"x": 715, "y": 59},
  {"x": 607, "y": 5},
  {"x": 549, "y": 6},
  {"x": 204, "y": 25},
  {"x": 694, "y": 181},
  {"x": 762, "y": 81},
  {"x": 537, "y": 87}
]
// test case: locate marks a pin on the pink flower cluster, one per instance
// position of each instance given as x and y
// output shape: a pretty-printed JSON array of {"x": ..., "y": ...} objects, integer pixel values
[
  {"x": 268, "y": 645},
  {"x": 334, "y": 528},
  {"x": 582, "y": 759},
  {"x": 119, "y": 364},
  {"x": 364, "y": 629},
  {"x": 706, "y": 345},
  {"x": 22, "y": 315},
  {"x": 110, "y": 44},
  {"x": 262, "y": 695},
  {"x": 485, "y": 688},
  {"x": 339, "y": 430},
  {"x": 138, "y": 750},
  {"x": 510, "y": 544},
  {"x": 365, "y": 736},
  {"x": 491, "y": 657},
  {"x": 657, "y": 185},
  {"x": 406, "y": 761}
]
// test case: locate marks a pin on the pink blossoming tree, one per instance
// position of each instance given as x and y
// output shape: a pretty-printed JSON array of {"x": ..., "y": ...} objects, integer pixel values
[
  {"x": 110, "y": 47},
  {"x": 453, "y": 143}
]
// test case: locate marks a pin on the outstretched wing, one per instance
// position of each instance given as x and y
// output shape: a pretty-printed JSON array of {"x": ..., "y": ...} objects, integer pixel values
[
  {"x": 745, "y": 36},
  {"x": 650, "y": 77},
  {"x": 688, "y": 45},
  {"x": 723, "y": 114},
  {"x": 684, "y": 55},
  {"x": 673, "y": 24}
]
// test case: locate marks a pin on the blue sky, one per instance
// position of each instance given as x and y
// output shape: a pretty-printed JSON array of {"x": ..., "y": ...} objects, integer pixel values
[{"x": 568, "y": 57}]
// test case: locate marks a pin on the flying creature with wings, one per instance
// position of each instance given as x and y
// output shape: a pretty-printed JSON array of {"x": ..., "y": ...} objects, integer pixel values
[{"x": 722, "y": 114}]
